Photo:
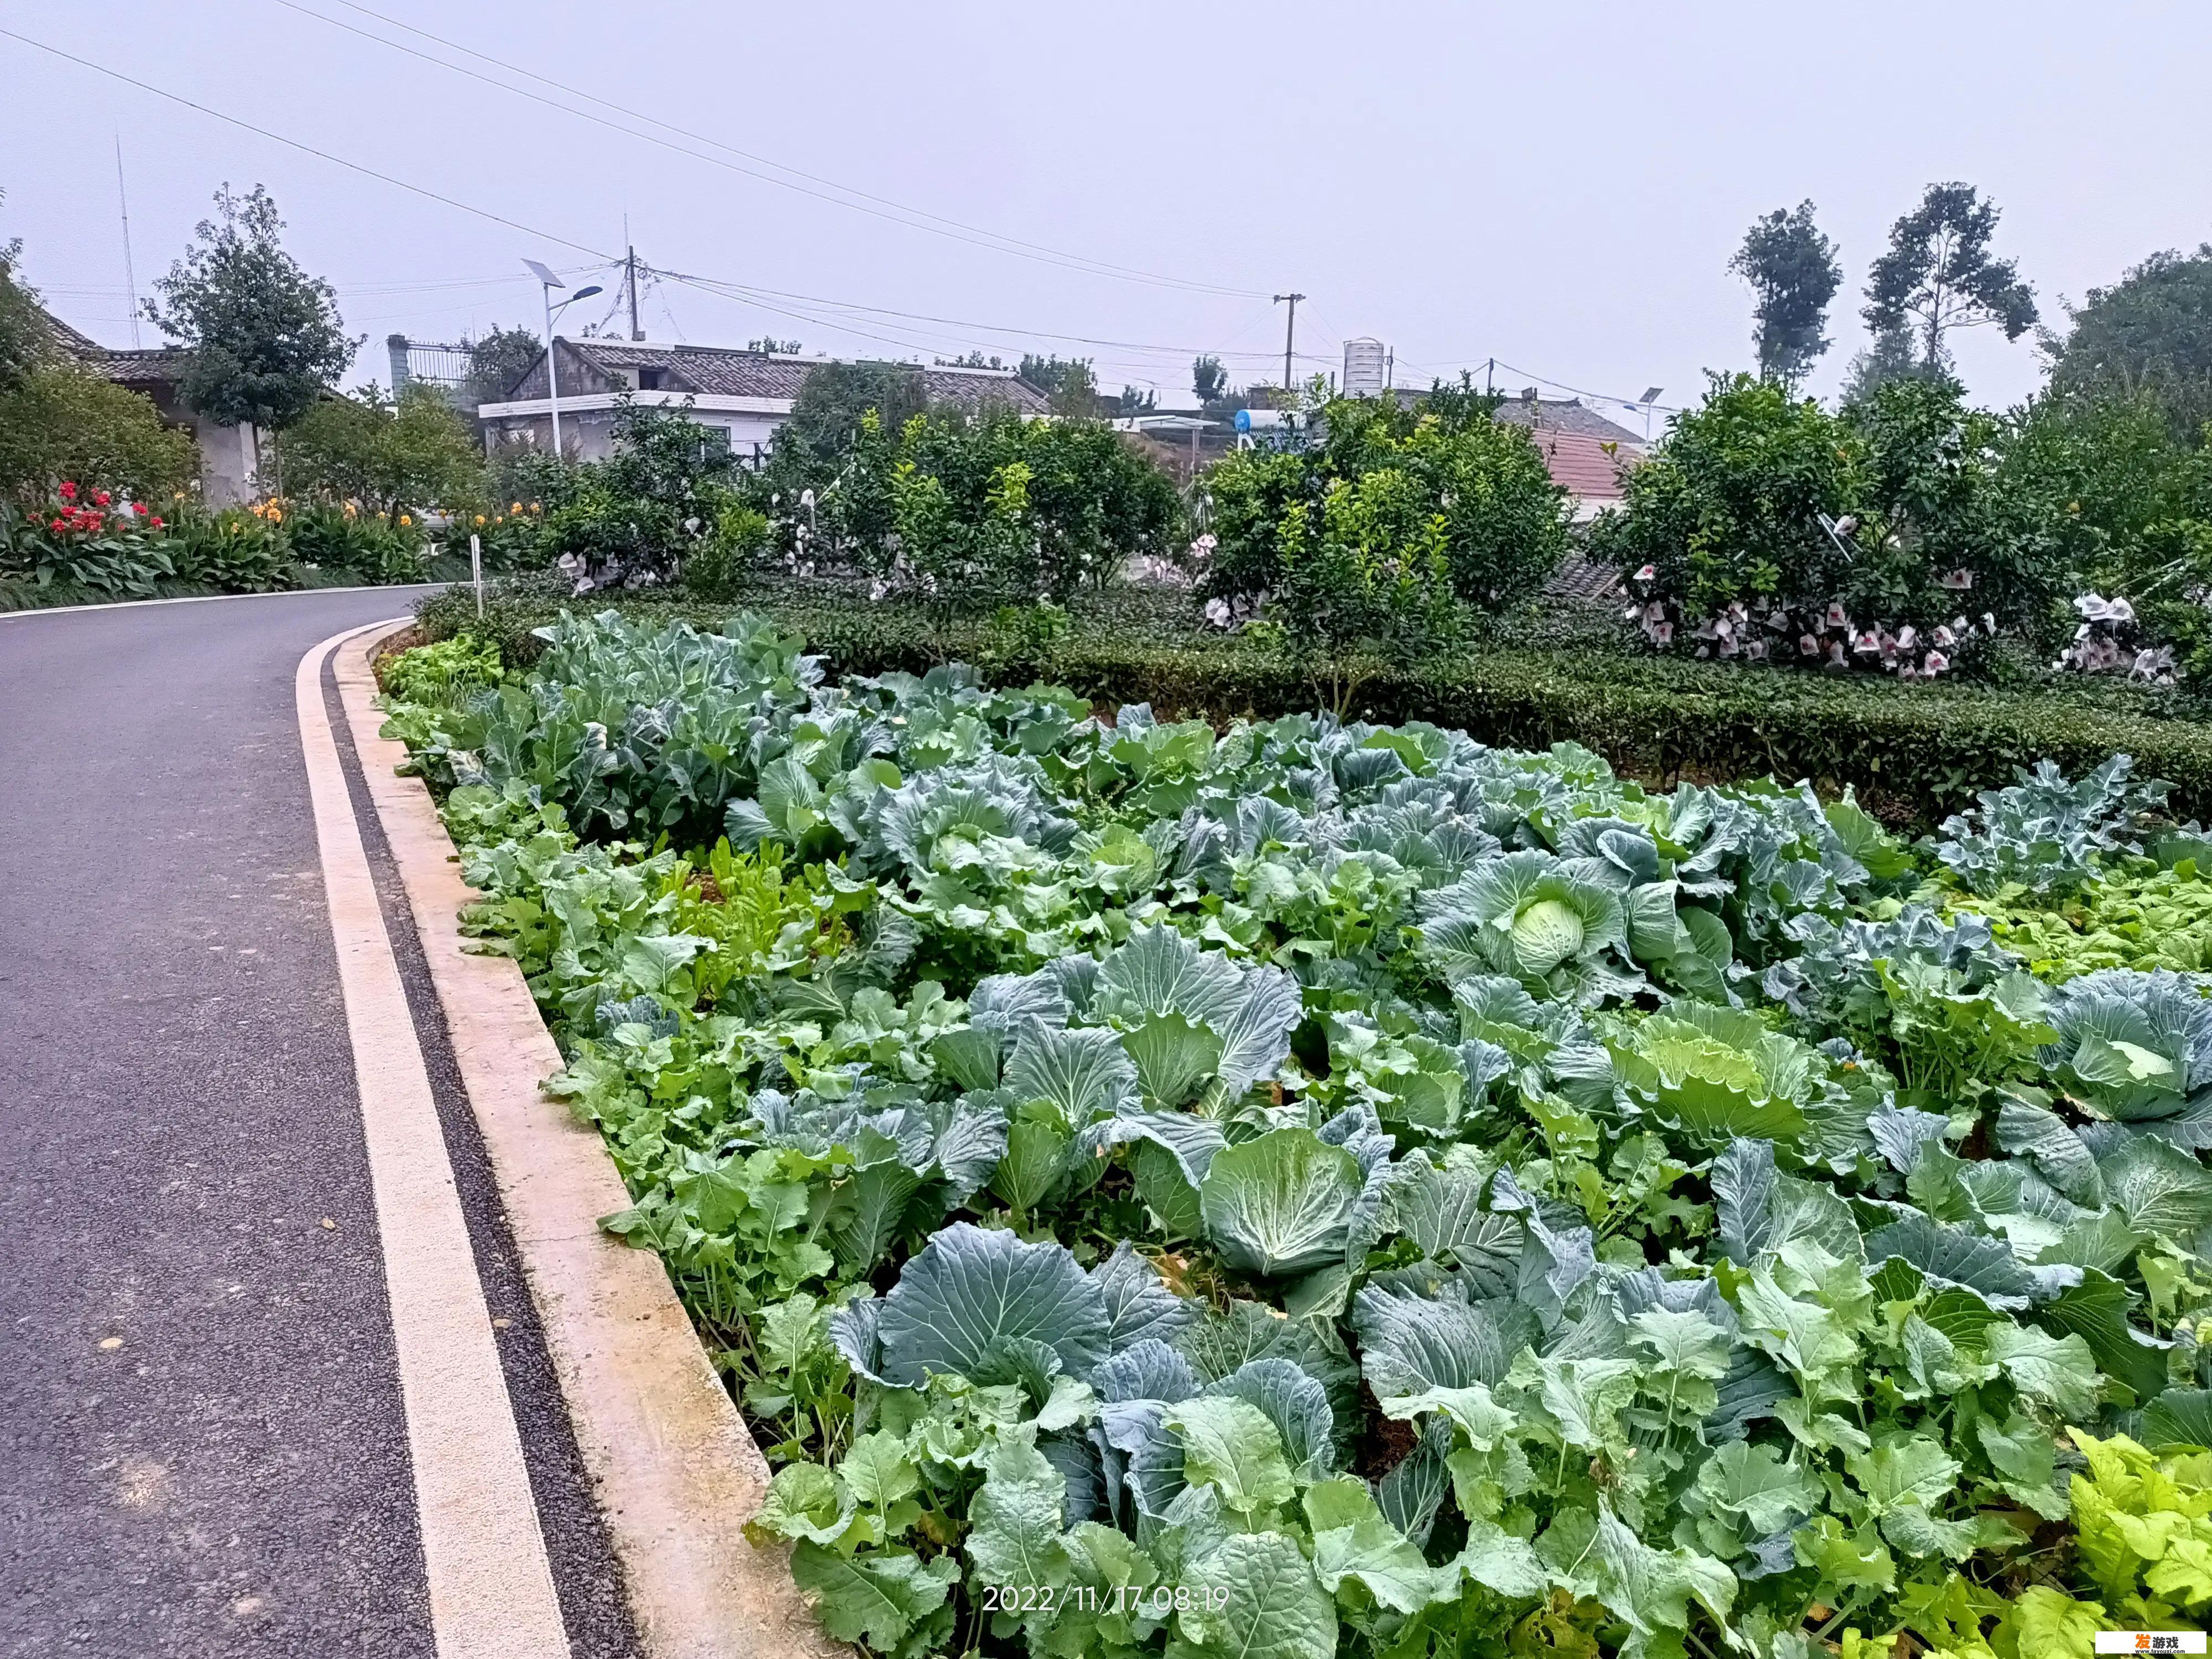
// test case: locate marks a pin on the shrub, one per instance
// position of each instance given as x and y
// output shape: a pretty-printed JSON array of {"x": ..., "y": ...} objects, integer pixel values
[
  {"x": 1728, "y": 508},
  {"x": 1766, "y": 528},
  {"x": 387, "y": 455},
  {"x": 637, "y": 516},
  {"x": 1916, "y": 754},
  {"x": 2134, "y": 506},
  {"x": 1368, "y": 577},
  {"x": 61, "y": 422},
  {"x": 240, "y": 549},
  {"x": 986, "y": 508},
  {"x": 331, "y": 536},
  {"x": 1500, "y": 523},
  {"x": 717, "y": 567}
]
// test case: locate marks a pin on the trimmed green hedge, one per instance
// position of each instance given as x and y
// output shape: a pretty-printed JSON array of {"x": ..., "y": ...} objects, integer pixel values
[{"x": 1914, "y": 752}]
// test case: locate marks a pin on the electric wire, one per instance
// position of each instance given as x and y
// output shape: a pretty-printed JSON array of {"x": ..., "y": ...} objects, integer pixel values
[
  {"x": 745, "y": 293},
  {"x": 885, "y": 208},
  {"x": 306, "y": 149}
]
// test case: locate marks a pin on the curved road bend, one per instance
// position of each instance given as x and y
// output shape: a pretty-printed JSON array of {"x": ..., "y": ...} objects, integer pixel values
[{"x": 201, "y": 1444}]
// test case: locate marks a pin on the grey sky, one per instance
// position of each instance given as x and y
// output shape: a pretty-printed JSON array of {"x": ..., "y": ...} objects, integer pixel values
[{"x": 1558, "y": 185}]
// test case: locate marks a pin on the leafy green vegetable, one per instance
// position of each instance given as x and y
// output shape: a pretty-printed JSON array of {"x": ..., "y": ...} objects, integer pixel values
[{"x": 1038, "y": 1113}]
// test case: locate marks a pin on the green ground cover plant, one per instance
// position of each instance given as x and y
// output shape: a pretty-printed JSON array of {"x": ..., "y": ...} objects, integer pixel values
[{"x": 1317, "y": 1186}]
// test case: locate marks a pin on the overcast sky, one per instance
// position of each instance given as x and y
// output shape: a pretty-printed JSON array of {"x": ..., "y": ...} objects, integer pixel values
[{"x": 1558, "y": 185}]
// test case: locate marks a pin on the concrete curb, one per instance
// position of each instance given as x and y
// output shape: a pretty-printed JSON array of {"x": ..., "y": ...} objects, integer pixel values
[
  {"x": 675, "y": 1469},
  {"x": 212, "y": 599}
]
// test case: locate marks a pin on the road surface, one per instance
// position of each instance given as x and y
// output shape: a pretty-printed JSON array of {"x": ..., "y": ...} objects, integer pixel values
[{"x": 201, "y": 1444}]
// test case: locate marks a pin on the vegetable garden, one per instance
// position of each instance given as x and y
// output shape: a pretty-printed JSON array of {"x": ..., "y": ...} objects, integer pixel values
[{"x": 1317, "y": 1186}]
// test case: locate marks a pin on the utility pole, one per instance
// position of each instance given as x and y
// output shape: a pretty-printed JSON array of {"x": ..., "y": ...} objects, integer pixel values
[
  {"x": 636, "y": 332},
  {"x": 1489, "y": 374},
  {"x": 1290, "y": 334}
]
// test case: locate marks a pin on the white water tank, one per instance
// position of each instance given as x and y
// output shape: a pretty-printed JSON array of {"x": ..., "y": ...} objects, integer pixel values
[{"x": 1363, "y": 368}]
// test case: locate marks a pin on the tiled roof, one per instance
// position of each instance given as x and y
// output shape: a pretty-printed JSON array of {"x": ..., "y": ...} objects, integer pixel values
[
  {"x": 726, "y": 372},
  {"x": 77, "y": 344},
  {"x": 1581, "y": 465},
  {"x": 143, "y": 367},
  {"x": 1579, "y": 578},
  {"x": 1560, "y": 413},
  {"x": 1566, "y": 415}
]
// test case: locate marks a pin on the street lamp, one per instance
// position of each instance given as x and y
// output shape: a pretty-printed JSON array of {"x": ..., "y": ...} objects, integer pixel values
[
  {"x": 548, "y": 282},
  {"x": 1650, "y": 397}
]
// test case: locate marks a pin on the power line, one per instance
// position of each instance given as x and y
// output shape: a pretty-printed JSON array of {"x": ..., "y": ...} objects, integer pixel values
[
  {"x": 304, "y": 149},
  {"x": 1545, "y": 380},
  {"x": 603, "y": 259},
  {"x": 92, "y": 291},
  {"x": 747, "y": 290},
  {"x": 897, "y": 212}
]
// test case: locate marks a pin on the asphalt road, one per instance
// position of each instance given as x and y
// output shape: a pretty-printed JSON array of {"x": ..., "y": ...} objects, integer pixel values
[{"x": 202, "y": 1449}]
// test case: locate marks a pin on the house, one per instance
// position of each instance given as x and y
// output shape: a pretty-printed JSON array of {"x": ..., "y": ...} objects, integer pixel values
[
  {"x": 1584, "y": 452},
  {"x": 746, "y": 395},
  {"x": 1179, "y": 442},
  {"x": 156, "y": 372}
]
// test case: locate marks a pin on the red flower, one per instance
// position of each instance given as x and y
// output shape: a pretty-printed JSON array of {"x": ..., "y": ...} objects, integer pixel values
[
  {"x": 101, "y": 498},
  {"x": 67, "y": 492},
  {"x": 59, "y": 524},
  {"x": 157, "y": 524}
]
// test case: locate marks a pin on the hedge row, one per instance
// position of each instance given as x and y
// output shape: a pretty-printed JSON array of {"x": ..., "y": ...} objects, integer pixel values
[{"x": 1913, "y": 752}]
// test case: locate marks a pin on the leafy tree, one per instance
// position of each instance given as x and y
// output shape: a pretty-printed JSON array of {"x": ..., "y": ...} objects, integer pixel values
[
  {"x": 265, "y": 337},
  {"x": 1729, "y": 505},
  {"x": 825, "y": 418},
  {"x": 787, "y": 348},
  {"x": 59, "y": 422},
  {"x": 497, "y": 362},
  {"x": 2150, "y": 334},
  {"x": 972, "y": 359},
  {"x": 1368, "y": 574},
  {"x": 1209, "y": 379},
  {"x": 1726, "y": 512},
  {"x": 25, "y": 341},
  {"x": 390, "y": 455},
  {"x": 996, "y": 506},
  {"x": 641, "y": 514},
  {"x": 1502, "y": 520},
  {"x": 1938, "y": 275},
  {"x": 1069, "y": 384},
  {"x": 1891, "y": 356},
  {"x": 1794, "y": 273}
]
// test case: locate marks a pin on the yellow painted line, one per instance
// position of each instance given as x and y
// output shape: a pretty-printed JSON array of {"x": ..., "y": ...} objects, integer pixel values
[{"x": 491, "y": 1586}]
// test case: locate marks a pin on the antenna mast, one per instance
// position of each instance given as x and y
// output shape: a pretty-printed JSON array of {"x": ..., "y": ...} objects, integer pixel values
[
  {"x": 130, "y": 276},
  {"x": 629, "y": 265}
]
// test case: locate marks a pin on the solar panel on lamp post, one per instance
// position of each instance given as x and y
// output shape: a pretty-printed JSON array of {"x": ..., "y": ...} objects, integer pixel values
[{"x": 547, "y": 282}]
